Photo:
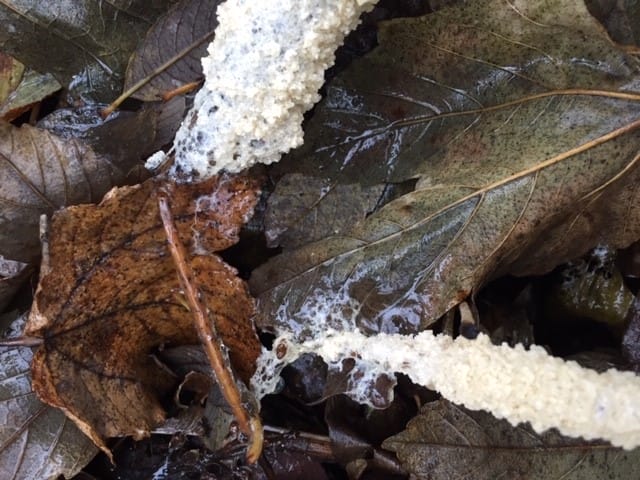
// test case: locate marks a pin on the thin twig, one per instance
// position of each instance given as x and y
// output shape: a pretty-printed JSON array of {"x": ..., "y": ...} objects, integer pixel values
[
  {"x": 249, "y": 425},
  {"x": 141, "y": 83},
  {"x": 21, "y": 342},
  {"x": 186, "y": 88}
]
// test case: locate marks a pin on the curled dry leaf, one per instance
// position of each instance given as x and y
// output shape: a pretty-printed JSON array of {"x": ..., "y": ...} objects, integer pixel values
[
  {"x": 520, "y": 124},
  {"x": 181, "y": 37},
  {"x": 446, "y": 441},
  {"x": 109, "y": 297},
  {"x": 36, "y": 441}
]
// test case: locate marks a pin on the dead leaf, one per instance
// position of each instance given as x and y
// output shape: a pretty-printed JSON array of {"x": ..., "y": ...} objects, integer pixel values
[
  {"x": 11, "y": 72},
  {"x": 36, "y": 441},
  {"x": 109, "y": 296},
  {"x": 182, "y": 34},
  {"x": 87, "y": 43},
  {"x": 356, "y": 432},
  {"x": 12, "y": 276},
  {"x": 621, "y": 18},
  {"x": 144, "y": 10},
  {"x": 287, "y": 220},
  {"x": 588, "y": 288},
  {"x": 33, "y": 88},
  {"x": 78, "y": 163},
  {"x": 520, "y": 165},
  {"x": 446, "y": 441},
  {"x": 40, "y": 173},
  {"x": 631, "y": 339},
  {"x": 138, "y": 134}
]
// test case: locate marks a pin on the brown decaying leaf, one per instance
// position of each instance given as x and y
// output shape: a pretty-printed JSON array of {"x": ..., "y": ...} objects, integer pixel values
[
  {"x": 36, "y": 441},
  {"x": 187, "y": 27},
  {"x": 40, "y": 173},
  {"x": 109, "y": 296},
  {"x": 520, "y": 165},
  {"x": 446, "y": 441}
]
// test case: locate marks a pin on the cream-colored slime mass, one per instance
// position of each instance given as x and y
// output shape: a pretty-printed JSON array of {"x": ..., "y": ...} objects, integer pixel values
[
  {"x": 263, "y": 72},
  {"x": 512, "y": 383}
]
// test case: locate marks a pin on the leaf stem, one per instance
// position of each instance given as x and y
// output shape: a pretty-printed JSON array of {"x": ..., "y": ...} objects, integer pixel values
[{"x": 251, "y": 426}]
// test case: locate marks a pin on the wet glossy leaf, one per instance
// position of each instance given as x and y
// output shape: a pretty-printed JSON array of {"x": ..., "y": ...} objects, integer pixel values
[
  {"x": 12, "y": 276},
  {"x": 36, "y": 441},
  {"x": 288, "y": 222},
  {"x": 109, "y": 296},
  {"x": 39, "y": 173},
  {"x": 519, "y": 165},
  {"x": 80, "y": 42},
  {"x": 137, "y": 134},
  {"x": 83, "y": 158},
  {"x": 446, "y": 441},
  {"x": 189, "y": 25},
  {"x": 589, "y": 288}
]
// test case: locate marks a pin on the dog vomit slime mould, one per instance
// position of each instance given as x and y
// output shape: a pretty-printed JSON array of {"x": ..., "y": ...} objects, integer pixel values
[
  {"x": 512, "y": 383},
  {"x": 263, "y": 72}
]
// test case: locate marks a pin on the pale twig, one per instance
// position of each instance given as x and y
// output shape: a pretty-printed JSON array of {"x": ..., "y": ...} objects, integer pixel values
[
  {"x": 249, "y": 425},
  {"x": 141, "y": 83}
]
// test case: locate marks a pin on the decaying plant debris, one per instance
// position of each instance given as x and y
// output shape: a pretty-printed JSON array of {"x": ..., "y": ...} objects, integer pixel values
[{"x": 472, "y": 142}]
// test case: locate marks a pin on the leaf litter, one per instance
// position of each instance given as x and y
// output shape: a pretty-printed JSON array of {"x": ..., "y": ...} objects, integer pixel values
[
  {"x": 447, "y": 441},
  {"x": 84, "y": 45},
  {"x": 182, "y": 35},
  {"x": 401, "y": 139},
  {"x": 108, "y": 297},
  {"x": 522, "y": 139},
  {"x": 71, "y": 158},
  {"x": 36, "y": 440}
]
